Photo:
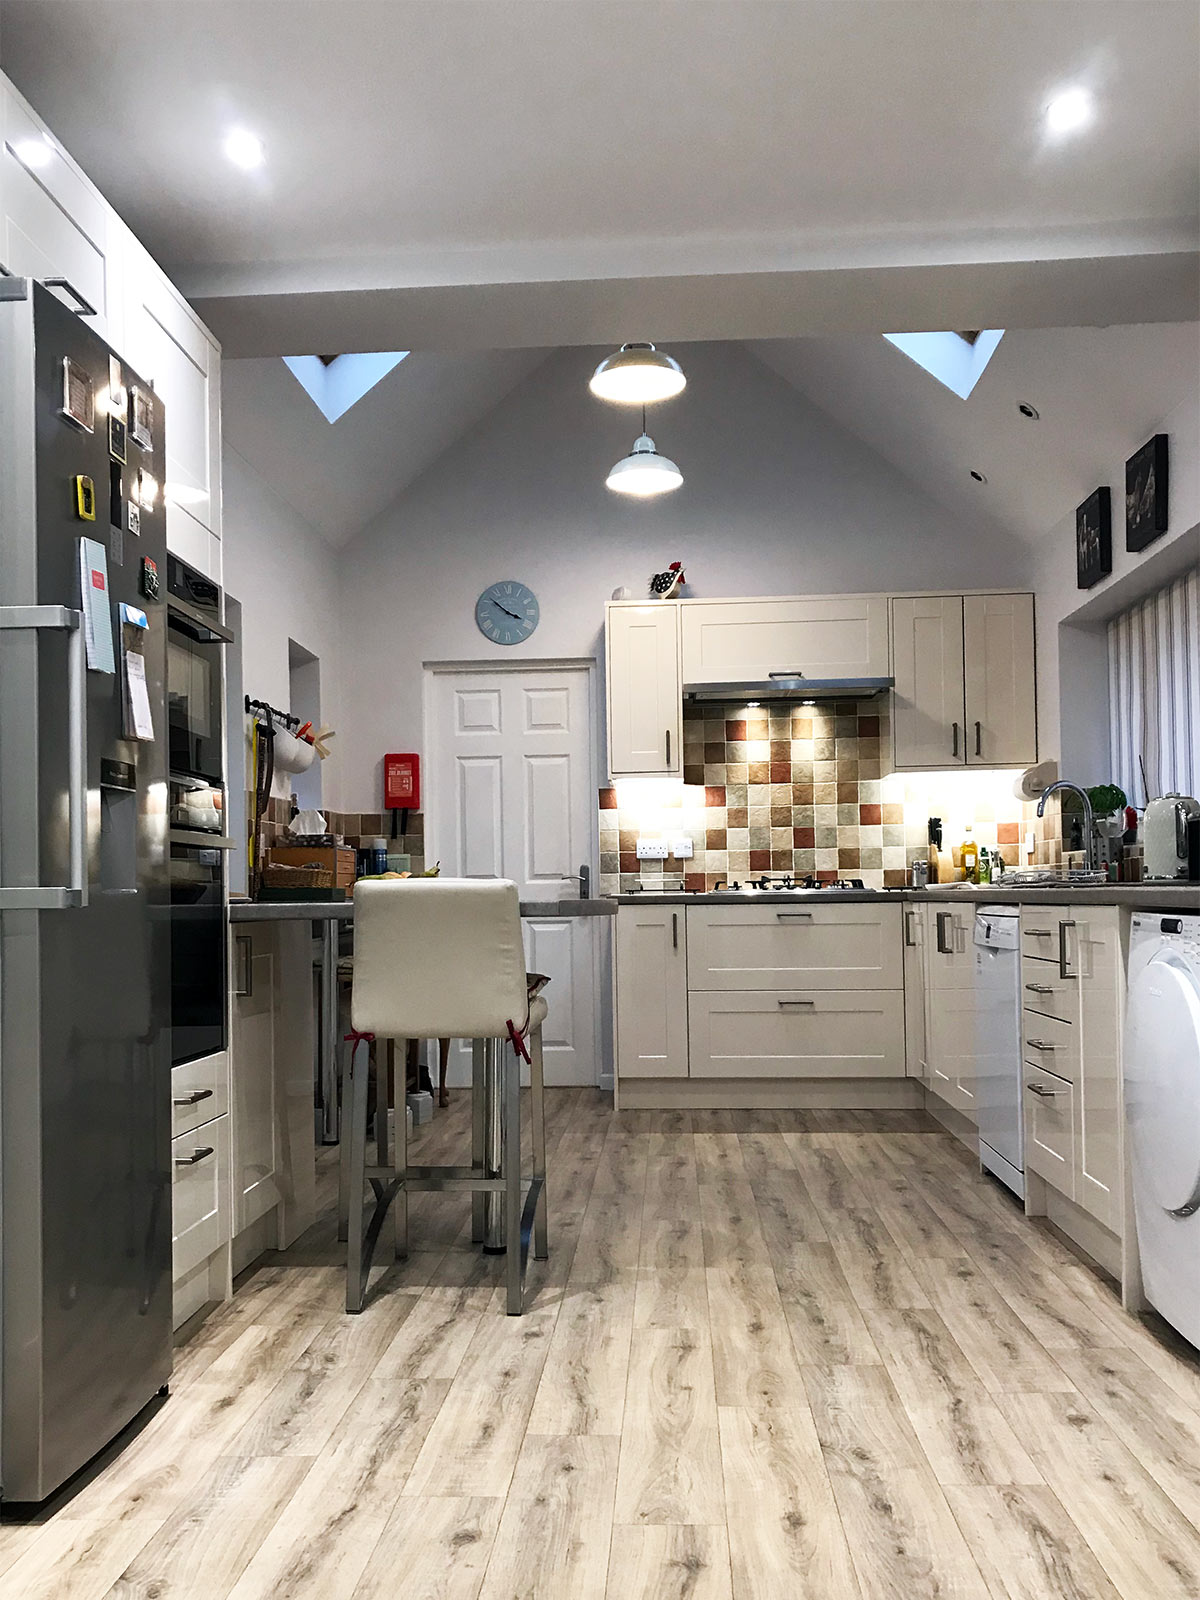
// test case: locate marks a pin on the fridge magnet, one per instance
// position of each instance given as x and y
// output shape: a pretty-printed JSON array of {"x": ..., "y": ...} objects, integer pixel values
[
  {"x": 1146, "y": 493},
  {"x": 116, "y": 438},
  {"x": 149, "y": 578},
  {"x": 79, "y": 395},
  {"x": 665, "y": 585},
  {"x": 133, "y": 517},
  {"x": 116, "y": 387},
  {"x": 1093, "y": 539},
  {"x": 141, "y": 417},
  {"x": 85, "y": 498}
]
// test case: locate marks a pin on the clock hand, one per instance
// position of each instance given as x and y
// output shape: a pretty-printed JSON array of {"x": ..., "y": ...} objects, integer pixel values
[{"x": 506, "y": 611}]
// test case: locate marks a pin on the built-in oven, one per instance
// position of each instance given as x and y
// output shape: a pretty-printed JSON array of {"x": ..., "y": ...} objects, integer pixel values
[
  {"x": 196, "y": 638},
  {"x": 199, "y": 973}
]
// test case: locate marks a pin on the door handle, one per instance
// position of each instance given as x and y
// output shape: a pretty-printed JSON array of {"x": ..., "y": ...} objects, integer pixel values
[
  {"x": 1040, "y": 1044},
  {"x": 1041, "y": 1091},
  {"x": 944, "y": 917},
  {"x": 908, "y": 924},
  {"x": 197, "y": 1155},
  {"x": 1040, "y": 988},
  {"x": 194, "y": 1098},
  {"x": 1037, "y": 933},
  {"x": 668, "y": 747},
  {"x": 245, "y": 989},
  {"x": 784, "y": 1004},
  {"x": 978, "y": 738},
  {"x": 954, "y": 729},
  {"x": 674, "y": 930},
  {"x": 795, "y": 673},
  {"x": 75, "y": 892},
  {"x": 83, "y": 305},
  {"x": 1063, "y": 953}
]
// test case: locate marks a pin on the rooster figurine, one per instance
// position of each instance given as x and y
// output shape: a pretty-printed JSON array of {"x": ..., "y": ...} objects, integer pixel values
[{"x": 666, "y": 585}]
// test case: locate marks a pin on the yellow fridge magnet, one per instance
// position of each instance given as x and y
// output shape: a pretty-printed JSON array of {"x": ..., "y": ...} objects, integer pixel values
[{"x": 85, "y": 498}]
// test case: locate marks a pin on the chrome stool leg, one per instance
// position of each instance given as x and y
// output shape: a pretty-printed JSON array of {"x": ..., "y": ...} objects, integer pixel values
[
  {"x": 511, "y": 1165},
  {"x": 398, "y": 1094},
  {"x": 354, "y": 1132},
  {"x": 343, "y": 1210},
  {"x": 493, "y": 1144},
  {"x": 541, "y": 1245},
  {"x": 478, "y": 1208}
]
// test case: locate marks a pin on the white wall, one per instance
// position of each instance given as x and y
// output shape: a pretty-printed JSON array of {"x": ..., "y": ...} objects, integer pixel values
[
  {"x": 1071, "y": 641},
  {"x": 777, "y": 498},
  {"x": 286, "y": 578}
]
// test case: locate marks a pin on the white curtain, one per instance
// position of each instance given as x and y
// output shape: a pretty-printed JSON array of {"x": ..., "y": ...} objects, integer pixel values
[{"x": 1154, "y": 692}]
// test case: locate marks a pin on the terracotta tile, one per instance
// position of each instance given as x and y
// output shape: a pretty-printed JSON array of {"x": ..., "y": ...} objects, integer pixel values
[
  {"x": 823, "y": 875},
  {"x": 608, "y": 799},
  {"x": 871, "y": 815},
  {"x": 735, "y": 731},
  {"x": 894, "y": 878},
  {"x": 781, "y": 771},
  {"x": 781, "y": 860},
  {"x": 804, "y": 838},
  {"x": 760, "y": 772},
  {"x": 714, "y": 794},
  {"x": 802, "y": 793},
  {"x": 1008, "y": 833},
  {"x": 737, "y": 817},
  {"x": 691, "y": 880},
  {"x": 847, "y": 794},
  {"x": 781, "y": 816},
  {"x": 760, "y": 860},
  {"x": 848, "y": 856},
  {"x": 781, "y": 750},
  {"x": 714, "y": 839},
  {"x": 628, "y": 861}
]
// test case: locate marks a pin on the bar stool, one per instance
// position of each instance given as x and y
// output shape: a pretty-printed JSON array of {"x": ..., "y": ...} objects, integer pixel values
[{"x": 443, "y": 958}]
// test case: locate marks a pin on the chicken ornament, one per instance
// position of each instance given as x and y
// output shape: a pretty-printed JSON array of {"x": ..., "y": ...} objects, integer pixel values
[{"x": 666, "y": 585}]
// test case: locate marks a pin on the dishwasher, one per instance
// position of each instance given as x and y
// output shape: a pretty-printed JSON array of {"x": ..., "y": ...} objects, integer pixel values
[{"x": 998, "y": 1044}]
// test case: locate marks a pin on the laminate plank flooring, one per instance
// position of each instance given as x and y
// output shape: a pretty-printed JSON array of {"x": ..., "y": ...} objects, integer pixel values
[{"x": 773, "y": 1355}]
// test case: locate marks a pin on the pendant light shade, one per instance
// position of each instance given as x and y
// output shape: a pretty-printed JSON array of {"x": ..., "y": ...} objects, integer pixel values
[
  {"x": 637, "y": 374},
  {"x": 644, "y": 472}
]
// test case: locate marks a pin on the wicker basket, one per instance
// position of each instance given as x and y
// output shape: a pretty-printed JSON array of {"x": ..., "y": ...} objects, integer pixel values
[{"x": 277, "y": 876}]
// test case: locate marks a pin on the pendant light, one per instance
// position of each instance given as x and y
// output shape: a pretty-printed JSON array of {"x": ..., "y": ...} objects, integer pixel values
[
  {"x": 644, "y": 472},
  {"x": 637, "y": 374}
]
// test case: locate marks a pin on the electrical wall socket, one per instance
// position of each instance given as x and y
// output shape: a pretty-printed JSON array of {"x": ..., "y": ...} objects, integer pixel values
[
  {"x": 682, "y": 849},
  {"x": 652, "y": 850}
]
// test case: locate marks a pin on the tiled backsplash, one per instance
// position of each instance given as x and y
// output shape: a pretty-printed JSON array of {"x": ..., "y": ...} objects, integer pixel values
[
  {"x": 353, "y": 827},
  {"x": 803, "y": 790}
]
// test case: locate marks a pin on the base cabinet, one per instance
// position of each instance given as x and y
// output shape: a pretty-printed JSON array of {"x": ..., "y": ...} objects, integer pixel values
[
  {"x": 830, "y": 1034},
  {"x": 950, "y": 1006},
  {"x": 916, "y": 979},
  {"x": 652, "y": 998}
]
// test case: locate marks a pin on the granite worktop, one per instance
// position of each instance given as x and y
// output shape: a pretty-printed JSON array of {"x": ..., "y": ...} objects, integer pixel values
[
  {"x": 1138, "y": 896},
  {"x": 343, "y": 910}
]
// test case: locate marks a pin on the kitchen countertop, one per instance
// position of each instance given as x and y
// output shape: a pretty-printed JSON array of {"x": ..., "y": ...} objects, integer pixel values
[
  {"x": 343, "y": 910},
  {"x": 1150, "y": 896}
]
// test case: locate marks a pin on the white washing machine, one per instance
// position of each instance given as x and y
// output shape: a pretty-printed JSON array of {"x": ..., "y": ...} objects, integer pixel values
[{"x": 1162, "y": 1108}]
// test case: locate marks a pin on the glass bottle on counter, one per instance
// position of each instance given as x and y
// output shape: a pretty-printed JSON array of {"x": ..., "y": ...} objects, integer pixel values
[{"x": 969, "y": 856}]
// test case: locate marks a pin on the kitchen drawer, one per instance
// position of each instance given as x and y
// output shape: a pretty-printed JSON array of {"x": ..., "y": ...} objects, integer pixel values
[
  {"x": 813, "y": 1034},
  {"x": 1044, "y": 990},
  {"x": 1039, "y": 931},
  {"x": 1050, "y": 1129},
  {"x": 200, "y": 1204},
  {"x": 1047, "y": 1042},
  {"x": 199, "y": 1092},
  {"x": 795, "y": 945}
]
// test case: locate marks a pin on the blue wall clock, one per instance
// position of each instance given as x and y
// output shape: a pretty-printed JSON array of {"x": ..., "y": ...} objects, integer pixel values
[{"x": 507, "y": 612}]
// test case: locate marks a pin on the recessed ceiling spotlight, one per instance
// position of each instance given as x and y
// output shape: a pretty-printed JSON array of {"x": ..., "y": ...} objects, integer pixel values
[
  {"x": 978, "y": 476},
  {"x": 1029, "y": 411},
  {"x": 37, "y": 152},
  {"x": 244, "y": 149},
  {"x": 1070, "y": 110}
]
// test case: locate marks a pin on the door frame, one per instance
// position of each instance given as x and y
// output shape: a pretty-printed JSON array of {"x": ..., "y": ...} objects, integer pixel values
[{"x": 431, "y": 671}]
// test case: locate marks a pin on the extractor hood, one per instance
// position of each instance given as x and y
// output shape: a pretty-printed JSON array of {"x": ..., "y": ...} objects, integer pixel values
[{"x": 786, "y": 686}]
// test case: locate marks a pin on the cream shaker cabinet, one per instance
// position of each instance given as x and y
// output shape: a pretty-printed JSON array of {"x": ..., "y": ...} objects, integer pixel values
[
  {"x": 652, "y": 997},
  {"x": 950, "y": 1006},
  {"x": 916, "y": 979},
  {"x": 964, "y": 692},
  {"x": 253, "y": 1049},
  {"x": 818, "y": 636},
  {"x": 645, "y": 695}
]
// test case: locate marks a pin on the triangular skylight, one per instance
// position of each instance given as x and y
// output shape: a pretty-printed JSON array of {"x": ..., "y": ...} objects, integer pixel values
[
  {"x": 954, "y": 359},
  {"x": 335, "y": 383}
]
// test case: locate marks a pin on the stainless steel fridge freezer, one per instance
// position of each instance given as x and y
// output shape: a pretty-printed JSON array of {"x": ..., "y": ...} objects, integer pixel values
[{"x": 85, "y": 1114}]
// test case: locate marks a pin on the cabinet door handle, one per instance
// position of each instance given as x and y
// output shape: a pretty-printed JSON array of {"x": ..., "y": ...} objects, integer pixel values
[
  {"x": 793, "y": 916},
  {"x": 954, "y": 728},
  {"x": 978, "y": 738},
  {"x": 1040, "y": 988},
  {"x": 784, "y": 1004},
  {"x": 1041, "y": 1091},
  {"x": 244, "y": 989},
  {"x": 943, "y": 918},
  {"x": 192, "y": 1099},
  {"x": 83, "y": 306},
  {"x": 1063, "y": 953},
  {"x": 197, "y": 1155},
  {"x": 1040, "y": 1044},
  {"x": 908, "y": 925},
  {"x": 1037, "y": 933},
  {"x": 668, "y": 747},
  {"x": 793, "y": 672},
  {"x": 674, "y": 930}
]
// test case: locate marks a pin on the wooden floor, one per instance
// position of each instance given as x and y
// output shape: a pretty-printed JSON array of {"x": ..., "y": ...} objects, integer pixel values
[{"x": 773, "y": 1355}]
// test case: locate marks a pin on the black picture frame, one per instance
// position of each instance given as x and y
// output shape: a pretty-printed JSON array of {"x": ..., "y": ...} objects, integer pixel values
[
  {"x": 1093, "y": 538},
  {"x": 1146, "y": 493}
]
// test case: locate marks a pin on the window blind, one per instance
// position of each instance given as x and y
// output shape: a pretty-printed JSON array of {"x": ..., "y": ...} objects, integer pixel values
[{"x": 1154, "y": 692}]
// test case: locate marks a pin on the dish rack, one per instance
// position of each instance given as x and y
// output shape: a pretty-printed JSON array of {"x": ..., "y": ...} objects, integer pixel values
[{"x": 1036, "y": 877}]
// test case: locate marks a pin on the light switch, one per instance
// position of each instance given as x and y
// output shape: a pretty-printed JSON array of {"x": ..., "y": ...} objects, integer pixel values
[{"x": 682, "y": 849}]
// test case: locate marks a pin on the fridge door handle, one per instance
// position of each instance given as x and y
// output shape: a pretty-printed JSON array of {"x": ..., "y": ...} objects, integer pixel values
[{"x": 49, "y": 619}]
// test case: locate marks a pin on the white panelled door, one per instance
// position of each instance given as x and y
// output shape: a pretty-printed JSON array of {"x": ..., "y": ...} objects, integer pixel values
[{"x": 512, "y": 796}]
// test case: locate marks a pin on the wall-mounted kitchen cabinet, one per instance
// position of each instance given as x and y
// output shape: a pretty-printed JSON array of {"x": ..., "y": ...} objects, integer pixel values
[
  {"x": 645, "y": 696},
  {"x": 965, "y": 687},
  {"x": 820, "y": 636}
]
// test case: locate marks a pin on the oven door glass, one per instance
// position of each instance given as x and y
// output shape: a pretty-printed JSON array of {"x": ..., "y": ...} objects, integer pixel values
[
  {"x": 193, "y": 704},
  {"x": 198, "y": 966}
]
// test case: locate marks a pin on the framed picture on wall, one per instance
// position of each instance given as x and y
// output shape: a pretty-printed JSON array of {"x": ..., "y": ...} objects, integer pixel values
[
  {"x": 1093, "y": 538},
  {"x": 1146, "y": 493}
]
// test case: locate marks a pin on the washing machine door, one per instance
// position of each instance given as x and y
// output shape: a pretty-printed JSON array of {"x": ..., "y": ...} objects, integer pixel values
[{"x": 1162, "y": 1076}]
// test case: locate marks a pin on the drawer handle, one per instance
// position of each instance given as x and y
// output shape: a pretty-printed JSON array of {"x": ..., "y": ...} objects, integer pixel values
[
  {"x": 910, "y": 942},
  {"x": 194, "y": 1098},
  {"x": 1040, "y": 988},
  {"x": 793, "y": 916},
  {"x": 1037, "y": 933},
  {"x": 783, "y": 1004},
  {"x": 1041, "y": 1091},
  {"x": 197, "y": 1155},
  {"x": 1040, "y": 1044},
  {"x": 83, "y": 306}
]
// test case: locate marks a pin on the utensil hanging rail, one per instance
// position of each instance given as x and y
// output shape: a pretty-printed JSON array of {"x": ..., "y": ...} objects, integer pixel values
[{"x": 283, "y": 719}]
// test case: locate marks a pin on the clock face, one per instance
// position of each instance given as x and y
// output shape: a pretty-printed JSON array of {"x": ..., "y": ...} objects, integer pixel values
[{"x": 507, "y": 612}]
